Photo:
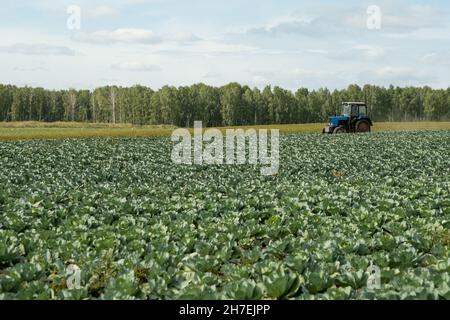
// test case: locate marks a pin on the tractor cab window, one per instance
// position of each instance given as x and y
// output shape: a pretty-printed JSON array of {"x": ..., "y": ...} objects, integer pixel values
[
  {"x": 355, "y": 110},
  {"x": 346, "y": 110},
  {"x": 362, "y": 110}
]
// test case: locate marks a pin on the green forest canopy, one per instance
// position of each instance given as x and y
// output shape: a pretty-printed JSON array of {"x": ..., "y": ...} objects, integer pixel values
[{"x": 232, "y": 104}]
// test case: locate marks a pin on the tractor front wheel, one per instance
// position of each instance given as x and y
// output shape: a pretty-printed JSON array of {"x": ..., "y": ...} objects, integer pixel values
[
  {"x": 339, "y": 130},
  {"x": 362, "y": 126}
]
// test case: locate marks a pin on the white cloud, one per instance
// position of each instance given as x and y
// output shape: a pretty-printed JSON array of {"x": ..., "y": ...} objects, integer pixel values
[
  {"x": 32, "y": 69},
  {"x": 402, "y": 76},
  {"x": 128, "y": 35},
  {"x": 370, "y": 52},
  {"x": 205, "y": 47},
  {"x": 136, "y": 66},
  {"x": 181, "y": 37},
  {"x": 299, "y": 26},
  {"x": 134, "y": 36},
  {"x": 357, "y": 53},
  {"x": 101, "y": 11},
  {"x": 297, "y": 77},
  {"x": 212, "y": 75},
  {"x": 401, "y": 18},
  {"x": 436, "y": 58},
  {"x": 317, "y": 51},
  {"x": 333, "y": 21},
  {"x": 37, "y": 49}
]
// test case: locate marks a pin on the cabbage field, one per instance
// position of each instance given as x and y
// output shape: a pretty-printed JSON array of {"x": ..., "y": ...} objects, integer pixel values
[{"x": 140, "y": 227}]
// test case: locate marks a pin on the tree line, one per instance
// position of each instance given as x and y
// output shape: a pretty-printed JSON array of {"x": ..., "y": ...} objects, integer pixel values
[{"x": 232, "y": 104}]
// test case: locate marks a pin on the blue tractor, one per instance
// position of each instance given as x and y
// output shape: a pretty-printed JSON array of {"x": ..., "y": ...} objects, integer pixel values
[{"x": 354, "y": 118}]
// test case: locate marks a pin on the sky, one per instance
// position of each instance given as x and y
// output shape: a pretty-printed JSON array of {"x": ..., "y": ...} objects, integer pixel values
[{"x": 59, "y": 44}]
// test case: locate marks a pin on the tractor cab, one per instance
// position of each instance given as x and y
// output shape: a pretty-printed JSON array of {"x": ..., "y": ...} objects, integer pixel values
[
  {"x": 353, "y": 118},
  {"x": 354, "y": 109}
]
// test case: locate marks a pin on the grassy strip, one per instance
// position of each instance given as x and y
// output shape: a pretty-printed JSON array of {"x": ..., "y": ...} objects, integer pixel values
[{"x": 62, "y": 130}]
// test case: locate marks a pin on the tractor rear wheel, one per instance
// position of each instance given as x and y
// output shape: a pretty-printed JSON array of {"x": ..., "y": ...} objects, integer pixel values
[
  {"x": 362, "y": 126},
  {"x": 339, "y": 130}
]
